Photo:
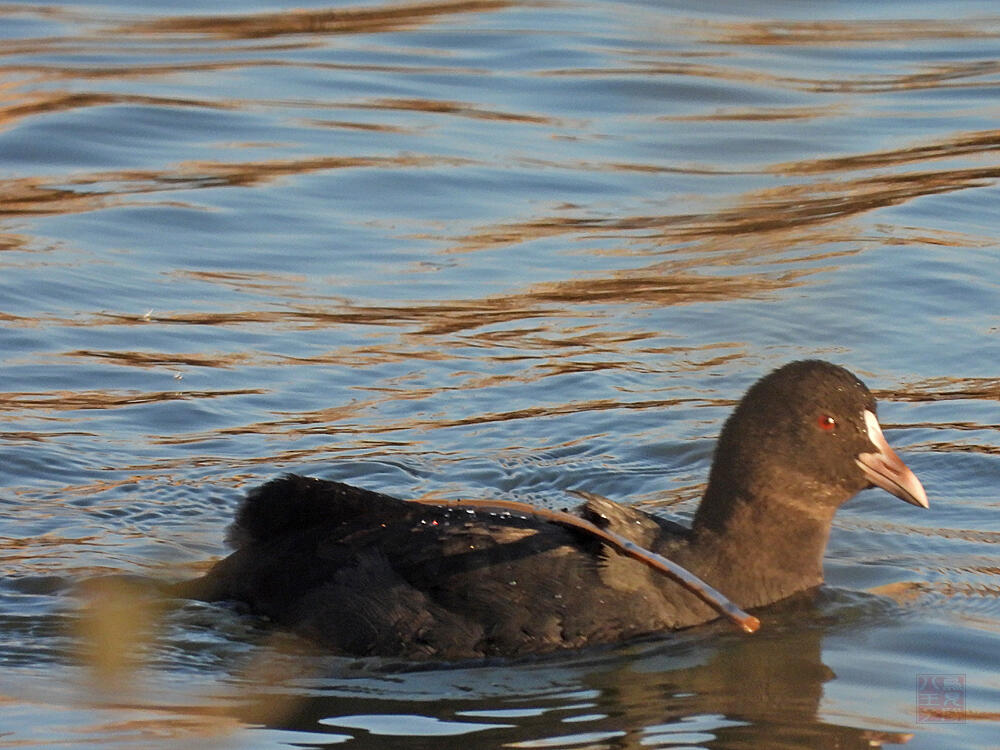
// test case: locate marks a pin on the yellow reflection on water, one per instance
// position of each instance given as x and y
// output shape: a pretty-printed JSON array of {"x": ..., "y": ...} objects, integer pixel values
[{"x": 344, "y": 20}]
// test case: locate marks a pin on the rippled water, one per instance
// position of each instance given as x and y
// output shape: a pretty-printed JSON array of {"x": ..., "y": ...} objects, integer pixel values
[{"x": 488, "y": 249}]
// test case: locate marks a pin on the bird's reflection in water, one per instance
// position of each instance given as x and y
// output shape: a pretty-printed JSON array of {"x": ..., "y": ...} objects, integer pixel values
[{"x": 712, "y": 687}]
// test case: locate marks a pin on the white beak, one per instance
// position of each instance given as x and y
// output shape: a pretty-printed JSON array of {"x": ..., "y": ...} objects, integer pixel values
[{"x": 886, "y": 470}]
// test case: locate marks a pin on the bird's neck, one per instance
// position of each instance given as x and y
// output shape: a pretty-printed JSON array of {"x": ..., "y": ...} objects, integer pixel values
[{"x": 761, "y": 548}]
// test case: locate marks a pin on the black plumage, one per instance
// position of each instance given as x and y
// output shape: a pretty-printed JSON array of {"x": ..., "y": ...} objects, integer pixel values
[{"x": 363, "y": 573}]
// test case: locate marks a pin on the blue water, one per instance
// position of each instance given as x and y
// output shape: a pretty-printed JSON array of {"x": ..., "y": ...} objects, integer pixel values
[{"x": 488, "y": 249}]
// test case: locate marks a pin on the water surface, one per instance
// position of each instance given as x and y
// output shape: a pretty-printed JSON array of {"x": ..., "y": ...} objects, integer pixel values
[{"x": 488, "y": 249}]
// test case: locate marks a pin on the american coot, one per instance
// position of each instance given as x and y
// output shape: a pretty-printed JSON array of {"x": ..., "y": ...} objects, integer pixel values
[{"x": 362, "y": 573}]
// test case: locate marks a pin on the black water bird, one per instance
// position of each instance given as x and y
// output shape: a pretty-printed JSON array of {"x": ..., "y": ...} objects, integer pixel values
[{"x": 362, "y": 573}]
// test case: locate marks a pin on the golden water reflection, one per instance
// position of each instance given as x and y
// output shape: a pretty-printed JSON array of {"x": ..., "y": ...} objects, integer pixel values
[
  {"x": 788, "y": 208},
  {"x": 948, "y": 389},
  {"x": 782, "y": 32},
  {"x": 792, "y": 208},
  {"x": 63, "y": 401},
  {"x": 343, "y": 20}
]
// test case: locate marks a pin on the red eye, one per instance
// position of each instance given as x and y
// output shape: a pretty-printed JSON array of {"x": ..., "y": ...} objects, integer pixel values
[{"x": 826, "y": 422}]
